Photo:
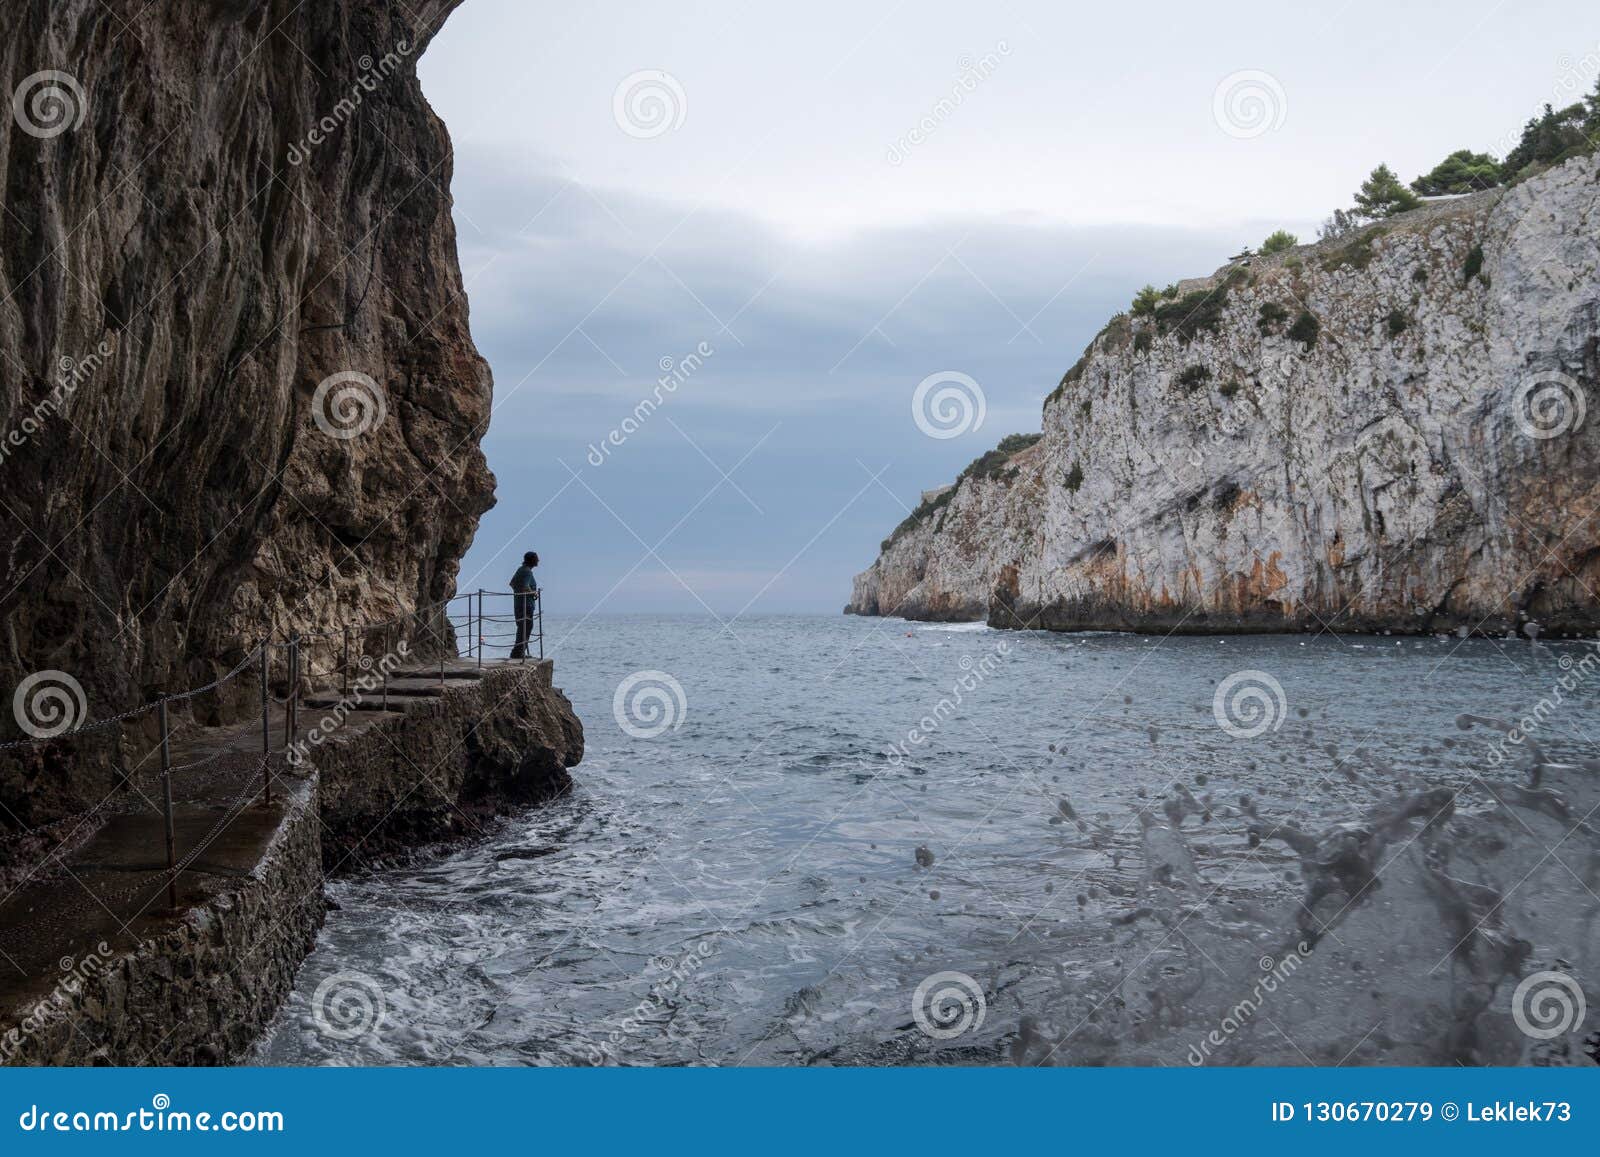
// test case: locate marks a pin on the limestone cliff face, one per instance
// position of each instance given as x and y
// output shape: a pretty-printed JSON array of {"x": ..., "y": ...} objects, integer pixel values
[
  {"x": 211, "y": 207},
  {"x": 942, "y": 563},
  {"x": 1386, "y": 432}
]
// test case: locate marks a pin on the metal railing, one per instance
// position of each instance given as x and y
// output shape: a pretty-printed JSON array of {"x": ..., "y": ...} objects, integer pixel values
[
  {"x": 347, "y": 650},
  {"x": 479, "y": 623}
]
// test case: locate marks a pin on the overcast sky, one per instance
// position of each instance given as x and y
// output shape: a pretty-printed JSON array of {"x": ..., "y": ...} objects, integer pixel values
[{"x": 841, "y": 199}]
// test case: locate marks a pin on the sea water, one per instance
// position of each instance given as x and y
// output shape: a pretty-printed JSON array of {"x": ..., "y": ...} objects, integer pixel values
[{"x": 809, "y": 840}]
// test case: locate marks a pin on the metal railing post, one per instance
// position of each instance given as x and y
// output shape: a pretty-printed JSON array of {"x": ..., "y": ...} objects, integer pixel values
[
  {"x": 288, "y": 688},
  {"x": 480, "y": 629},
  {"x": 166, "y": 796},
  {"x": 538, "y": 608},
  {"x": 294, "y": 690},
  {"x": 266, "y": 729}
]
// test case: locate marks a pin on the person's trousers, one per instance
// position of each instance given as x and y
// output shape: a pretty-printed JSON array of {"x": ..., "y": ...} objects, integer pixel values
[{"x": 524, "y": 613}]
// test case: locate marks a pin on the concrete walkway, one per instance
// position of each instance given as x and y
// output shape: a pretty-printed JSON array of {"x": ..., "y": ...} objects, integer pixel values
[{"x": 106, "y": 882}]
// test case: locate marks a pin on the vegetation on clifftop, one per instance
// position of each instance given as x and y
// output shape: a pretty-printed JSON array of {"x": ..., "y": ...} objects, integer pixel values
[
  {"x": 993, "y": 465},
  {"x": 1463, "y": 171},
  {"x": 1553, "y": 137},
  {"x": 1189, "y": 310}
]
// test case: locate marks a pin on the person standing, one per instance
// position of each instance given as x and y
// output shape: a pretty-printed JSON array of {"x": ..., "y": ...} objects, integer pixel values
[{"x": 526, "y": 591}]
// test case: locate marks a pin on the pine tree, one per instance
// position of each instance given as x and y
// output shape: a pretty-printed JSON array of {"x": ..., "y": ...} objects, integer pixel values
[
  {"x": 1145, "y": 302},
  {"x": 1383, "y": 195},
  {"x": 1554, "y": 134},
  {"x": 1463, "y": 171}
]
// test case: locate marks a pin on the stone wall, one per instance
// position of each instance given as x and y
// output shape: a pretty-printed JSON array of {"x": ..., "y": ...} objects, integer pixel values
[
  {"x": 438, "y": 771},
  {"x": 196, "y": 988}
]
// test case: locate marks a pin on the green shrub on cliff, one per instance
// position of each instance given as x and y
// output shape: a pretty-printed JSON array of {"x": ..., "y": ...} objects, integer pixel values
[
  {"x": 1271, "y": 316},
  {"x": 924, "y": 511},
  {"x": 1279, "y": 241},
  {"x": 993, "y": 464},
  {"x": 1463, "y": 171},
  {"x": 1356, "y": 254},
  {"x": 1305, "y": 329},
  {"x": 1192, "y": 313}
]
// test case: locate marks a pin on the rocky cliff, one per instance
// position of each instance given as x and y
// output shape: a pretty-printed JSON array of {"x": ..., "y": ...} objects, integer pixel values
[
  {"x": 237, "y": 387},
  {"x": 1383, "y": 432}
]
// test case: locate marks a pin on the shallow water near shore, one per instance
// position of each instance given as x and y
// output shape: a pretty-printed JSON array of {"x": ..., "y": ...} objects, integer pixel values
[{"x": 871, "y": 841}]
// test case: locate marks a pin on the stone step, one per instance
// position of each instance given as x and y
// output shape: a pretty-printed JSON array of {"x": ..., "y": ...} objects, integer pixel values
[
  {"x": 319, "y": 702},
  {"x": 398, "y": 698}
]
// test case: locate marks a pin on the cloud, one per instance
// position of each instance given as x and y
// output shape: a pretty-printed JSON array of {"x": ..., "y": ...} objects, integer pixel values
[{"x": 761, "y": 459}]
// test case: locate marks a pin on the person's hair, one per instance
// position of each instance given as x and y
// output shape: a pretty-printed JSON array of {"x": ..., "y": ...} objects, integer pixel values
[{"x": 531, "y": 558}]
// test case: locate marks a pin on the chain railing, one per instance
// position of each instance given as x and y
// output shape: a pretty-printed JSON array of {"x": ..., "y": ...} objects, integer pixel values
[{"x": 346, "y": 650}]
